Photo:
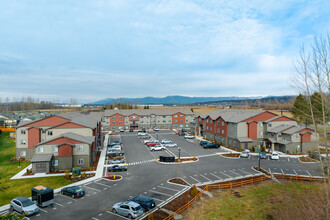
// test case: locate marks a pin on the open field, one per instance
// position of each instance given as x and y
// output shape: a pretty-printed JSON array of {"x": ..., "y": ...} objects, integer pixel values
[
  {"x": 268, "y": 200},
  {"x": 12, "y": 188}
]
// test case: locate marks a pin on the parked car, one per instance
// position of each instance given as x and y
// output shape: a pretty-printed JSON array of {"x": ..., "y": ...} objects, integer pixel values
[
  {"x": 157, "y": 147},
  {"x": 114, "y": 143},
  {"x": 275, "y": 156},
  {"x": 171, "y": 144},
  {"x": 116, "y": 161},
  {"x": 128, "y": 209},
  {"x": 24, "y": 205},
  {"x": 202, "y": 143},
  {"x": 188, "y": 136},
  {"x": 262, "y": 155},
  {"x": 154, "y": 143},
  {"x": 121, "y": 129},
  {"x": 114, "y": 153},
  {"x": 116, "y": 168},
  {"x": 146, "y": 202},
  {"x": 156, "y": 129},
  {"x": 148, "y": 140},
  {"x": 131, "y": 130},
  {"x": 115, "y": 147},
  {"x": 244, "y": 154},
  {"x": 181, "y": 133},
  {"x": 73, "y": 191},
  {"x": 211, "y": 145},
  {"x": 165, "y": 141},
  {"x": 140, "y": 133}
]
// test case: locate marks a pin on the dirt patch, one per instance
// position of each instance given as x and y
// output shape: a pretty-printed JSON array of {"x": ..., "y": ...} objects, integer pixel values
[
  {"x": 237, "y": 194},
  {"x": 158, "y": 215},
  {"x": 77, "y": 179},
  {"x": 13, "y": 159},
  {"x": 307, "y": 160},
  {"x": 179, "y": 181},
  {"x": 180, "y": 201},
  {"x": 232, "y": 148},
  {"x": 231, "y": 155},
  {"x": 262, "y": 170},
  {"x": 113, "y": 177}
]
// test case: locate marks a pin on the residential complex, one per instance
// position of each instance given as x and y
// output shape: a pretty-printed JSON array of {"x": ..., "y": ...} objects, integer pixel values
[
  {"x": 243, "y": 129},
  {"x": 147, "y": 118},
  {"x": 59, "y": 142}
]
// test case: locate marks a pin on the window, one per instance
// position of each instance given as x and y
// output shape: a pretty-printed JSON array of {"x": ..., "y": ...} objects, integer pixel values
[
  {"x": 113, "y": 122},
  {"x": 181, "y": 120},
  {"x": 169, "y": 121},
  {"x": 175, "y": 116},
  {"x": 210, "y": 128},
  {"x": 158, "y": 121},
  {"x": 207, "y": 121},
  {"x": 218, "y": 122},
  {"x": 80, "y": 147},
  {"x": 297, "y": 136},
  {"x": 22, "y": 131},
  {"x": 164, "y": 121},
  {"x": 40, "y": 149},
  {"x": 141, "y": 121},
  {"x": 279, "y": 135},
  {"x": 55, "y": 149},
  {"x": 157, "y": 116},
  {"x": 133, "y": 117},
  {"x": 175, "y": 120},
  {"x": 234, "y": 125},
  {"x": 141, "y": 117},
  {"x": 207, "y": 127},
  {"x": 223, "y": 131},
  {"x": 269, "y": 124},
  {"x": 186, "y": 120},
  {"x": 164, "y": 116},
  {"x": 181, "y": 116},
  {"x": 120, "y": 122},
  {"x": 23, "y": 141},
  {"x": 23, "y": 153},
  {"x": 113, "y": 117},
  {"x": 80, "y": 161},
  {"x": 261, "y": 143},
  {"x": 200, "y": 119},
  {"x": 180, "y": 126},
  {"x": 261, "y": 133},
  {"x": 120, "y": 117},
  {"x": 50, "y": 133},
  {"x": 223, "y": 123},
  {"x": 55, "y": 163},
  {"x": 260, "y": 124},
  {"x": 218, "y": 130}
]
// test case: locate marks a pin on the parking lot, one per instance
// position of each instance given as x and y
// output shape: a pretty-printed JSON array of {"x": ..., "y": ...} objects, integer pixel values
[{"x": 146, "y": 176}]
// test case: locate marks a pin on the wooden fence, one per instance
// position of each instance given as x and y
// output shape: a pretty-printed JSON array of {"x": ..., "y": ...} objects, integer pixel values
[
  {"x": 219, "y": 186},
  {"x": 296, "y": 177}
]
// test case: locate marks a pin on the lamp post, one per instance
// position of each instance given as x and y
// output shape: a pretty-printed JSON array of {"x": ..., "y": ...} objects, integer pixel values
[
  {"x": 19, "y": 161},
  {"x": 179, "y": 148},
  {"x": 259, "y": 161}
]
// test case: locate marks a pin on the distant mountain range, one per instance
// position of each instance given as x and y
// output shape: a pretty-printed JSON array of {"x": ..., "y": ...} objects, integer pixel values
[{"x": 170, "y": 100}]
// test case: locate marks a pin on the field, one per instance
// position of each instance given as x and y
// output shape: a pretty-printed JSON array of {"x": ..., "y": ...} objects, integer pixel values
[
  {"x": 268, "y": 200},
  {"x": 12, "y": 188}
]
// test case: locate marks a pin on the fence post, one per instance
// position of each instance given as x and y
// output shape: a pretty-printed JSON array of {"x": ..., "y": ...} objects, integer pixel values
[
  {"x": 252, "y": 180},
  {"x": 231, "y": 185}
]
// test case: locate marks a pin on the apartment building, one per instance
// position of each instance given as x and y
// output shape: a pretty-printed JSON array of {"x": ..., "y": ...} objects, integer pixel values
[
  {"x": 243, "y": 129},
  {"x": 147, "y": 118},
  {"x": 59, "y": 142}
]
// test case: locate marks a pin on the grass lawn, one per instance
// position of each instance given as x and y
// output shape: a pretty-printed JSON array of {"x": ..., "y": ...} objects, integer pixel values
[
  {"x": 268, "y": 200},
  {"x": 9, "y": 169}
]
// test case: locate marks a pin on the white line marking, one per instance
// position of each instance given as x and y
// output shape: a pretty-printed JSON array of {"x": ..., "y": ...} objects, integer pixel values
[
  {"x": 69, "y": 202},
  {"x": 66, "y": 197},
  {"x": 225, "y": 174},
  {"x": 206, "y": 178},
  {"x": 94, "y": 192},
  {"x": 244, "y": 171},
  {"x": 42, "y": 210},
  {"x": 270, "y": 171},
  {"x": 308, "y": 173},
  {"x": 282, "y": 171},
  {"x": 288, "y": 159},
  {"x": 58, "y": 204},
  {"x": 295, "y": 172},
  {"x": 195, "y": 179},
  {"x": 216, "y": 176},
  {"x": 93, "y": 188},
  {"x": 157, "y": 199},
  {"x": 169, "y": 188},
  {"x": 95, "y": 218},
  {"x": 235, "y": 173},
  {"x": 165, "y": 194},
  {"x": 101, "y": 184}
]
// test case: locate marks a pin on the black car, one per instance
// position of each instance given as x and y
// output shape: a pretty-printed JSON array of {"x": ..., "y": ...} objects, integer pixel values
[
  {"x": 131, "y": 130},
  {"x": 146, "y": 202},
  {"x": 202, "y": 143},
  {"x": 115, "y": 153},
  {"x": 74, "y": 191},
  {"x": 113, "y": 143},
  {"x": 116, "y": 168},
  {"x": 211, "y": 145}
]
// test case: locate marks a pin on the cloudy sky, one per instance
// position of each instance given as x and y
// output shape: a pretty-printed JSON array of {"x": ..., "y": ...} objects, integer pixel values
[{"x": 91, "y": 50}]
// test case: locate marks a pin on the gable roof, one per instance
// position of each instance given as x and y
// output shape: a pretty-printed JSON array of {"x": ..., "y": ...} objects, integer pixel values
[
  {"x": 70, "y": 135},
  {"x": 277, "y": 117},
  {"x": 234, "y": 116},
  {"x": 24, "y": 122},
  {"x": 279, "y": 128},
  {"x": 295, "y": 129}
]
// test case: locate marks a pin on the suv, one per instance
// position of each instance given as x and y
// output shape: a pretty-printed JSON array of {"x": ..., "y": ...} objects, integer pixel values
[
  {"x": 24, "y": 205},
  {"x": 129, "y": 209},
  {"x": 146, "y": 202},
  {"x": 202, "y": 143},
  {"x": 157, "y": 147},
  {"x": 117, "y": 168},
  {"x": 211, "y": 145}
]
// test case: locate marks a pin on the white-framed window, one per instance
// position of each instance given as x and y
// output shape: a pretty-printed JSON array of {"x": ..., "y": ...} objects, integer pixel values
[
  {"x": 80, "y": 161},
  {"x": 22, "y": 131},
  {"x": 23, "y": 153},
  {"x": 113, "y": 122},
  {"x": 279, "y": 135},
  {"x": 181, "y": 126},
  {"x": 260, "y": 124},
  {"x": 133, "y": 117},
  {"x": 297, "y": 136},
  {"x": 23, "y": 141},
  {"x": 113, "y": 117},
  {"x": 223, "y": 123},
  {"x": 157, "y": 116},
  {"x": 158, "y": 121},
  {"x": 120, "y": 117},
  {"x": 181, "y": 116},
  {"x": 210, "y": 128},
  {"x": 164, "y": 116},
  {"x": 181, "y": 120},
  {"x": 141, "y": 121},
  {"x": 261, "y": 133},
  {"x": 80, "y": 147},
  {"x": 175, "y": 120},
  {"x": 218, "y": 122},
  {"x": 49, "y": 133},
  {"x": 55, "y": 163},
  {"x": 187, "y": 125},
  {"x": 175, "y": 116},
  {"x": 269, "y": 124},
  {"x": 164, "y": 121},
  {"x": 223, "y": 131},
  {"x": 218, "y": 130},
  {"x": 54, "y": 149},
  {"x": 40, "y": 149},
  {"x": 207, "y": 121}
]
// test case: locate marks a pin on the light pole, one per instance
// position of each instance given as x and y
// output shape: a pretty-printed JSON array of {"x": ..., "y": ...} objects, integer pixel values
[
  {"x": 259, "y": 161},
  {"x": 179, "y": 148},
  {"x": 19, "y": 161}
]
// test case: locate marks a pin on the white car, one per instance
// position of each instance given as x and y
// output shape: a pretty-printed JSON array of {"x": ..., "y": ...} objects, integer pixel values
[
  {"x": 157, "y": 147},
  {"x": 156, "y": 129},
  {"x": 170, "y": 144},
  {"x": 188, "y": 136},
  {"x": 140, "y": 133},
  {"x": 149, "y": 140},
  {"x": 117, "y": 147},
  {"x": 275, "y": 156},
  {"x": 244, "y": 154},
  {"x": 165, "y": 141}
]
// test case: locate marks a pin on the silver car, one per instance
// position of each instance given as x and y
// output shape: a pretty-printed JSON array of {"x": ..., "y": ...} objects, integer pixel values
[
  {"x": 128, "y": 209},
  {"x": 116, "y": 161},
  {"x": 24, "y": 205},
  {"x": 170, "y": 144},
  {"x": 165, "y": 141}
]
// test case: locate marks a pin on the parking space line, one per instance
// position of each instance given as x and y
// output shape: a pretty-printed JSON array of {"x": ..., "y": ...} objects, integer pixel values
[
  {"x": 282, "y": 171},
  {"x": 308, "y": 173},
  {"x": 295, "y": 172},
  {"x": 92, "y": 188},
  {"x": 288, "y": 159},
  {"x": 270, "y": 171},
  {"x": 102, "y": 184},
  {"x": 67, "y": 197},
  {"x": 225, "y": 174},
  {"x": 116, "y": 214},
  {"x": 169, "y": 188},
  {"x": 244, "y": 172},
  {"x": 206, "y": 178},
  {"x": 157, "y": 199},
  {"x": 58, "y": 204},
  {"x": 95, "y": 218},
  {"x": 165, "y": 194},
  {"x": 195, "y": 179},
  {"x": 216, "y": 176},
  {"x": 235, "y": 173},
  {"x": 42, "y": 210}
]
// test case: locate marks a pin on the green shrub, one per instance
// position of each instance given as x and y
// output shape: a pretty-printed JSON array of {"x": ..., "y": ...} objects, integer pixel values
[
  {"x": 263, "y": 148},
  {"x": 83, "y": 174},
  {"x": 194, "y": 191},
  {"x": 252, "y": 149},
  {"x": 74, "y": 176},
  {"x": 67, "y": 173}
]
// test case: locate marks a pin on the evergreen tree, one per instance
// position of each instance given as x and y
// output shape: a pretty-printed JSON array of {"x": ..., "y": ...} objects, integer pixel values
[{"x": 301, "y": 111}]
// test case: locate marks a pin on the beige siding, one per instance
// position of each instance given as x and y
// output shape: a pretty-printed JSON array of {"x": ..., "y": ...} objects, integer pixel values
[
  {"x": 79, "y": 131},
  {"x": 242, "y": 129}
]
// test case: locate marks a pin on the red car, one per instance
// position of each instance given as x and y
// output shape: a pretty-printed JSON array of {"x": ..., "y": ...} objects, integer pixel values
[{"x": 152, "y": 144}]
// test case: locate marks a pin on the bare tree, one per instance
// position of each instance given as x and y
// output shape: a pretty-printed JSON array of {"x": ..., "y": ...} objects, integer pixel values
[{"x": 311, "y": 75}]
